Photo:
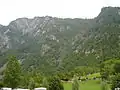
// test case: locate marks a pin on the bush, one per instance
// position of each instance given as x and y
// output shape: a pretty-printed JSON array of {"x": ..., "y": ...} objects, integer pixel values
[
  {"x": 1, "y": 84},
  {"x": 115, "y": 82},
  {"x": 82, "y": 78},
  {"x": 98, "y": 81},
  {"x": 65, "y": 76},
  {"x": 54, "y": 83}
]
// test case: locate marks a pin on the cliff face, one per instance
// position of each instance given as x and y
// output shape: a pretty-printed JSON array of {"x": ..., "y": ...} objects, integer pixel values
[{"x": 47, "y": 41}]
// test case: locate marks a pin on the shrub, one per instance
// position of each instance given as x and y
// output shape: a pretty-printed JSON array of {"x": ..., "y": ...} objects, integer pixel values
[
  {"x": 1, "y": 84},
  {"x": 54, "y": 83},
  {"x": 115, "y": 82}
]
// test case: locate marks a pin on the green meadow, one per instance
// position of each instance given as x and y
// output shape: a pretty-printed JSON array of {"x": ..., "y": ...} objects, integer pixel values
[{"x": 85, "y": 85}]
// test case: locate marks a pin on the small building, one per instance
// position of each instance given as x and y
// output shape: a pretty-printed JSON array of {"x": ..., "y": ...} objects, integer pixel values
[{"x": 41, "y": 88}]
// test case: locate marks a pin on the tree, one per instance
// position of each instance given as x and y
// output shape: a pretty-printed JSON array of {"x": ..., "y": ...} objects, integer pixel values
[
  {"x": 1, "y": 85},
  {"x": 115, "y": 82},
  {"x": 31, "y": 84},
  {"x": 75, "y": 84},
  {"x": 104, "y": 86},
  {"x": 45, "y": 83},
  {"x": 104, "y": 74},
  {"x": 54, "y": 83},
  {"x": 25, "y": 81},
  {"x": 109, "y": 67},
  {"x": 117, "y": 67},
  {"x": 12, "y": 74}
]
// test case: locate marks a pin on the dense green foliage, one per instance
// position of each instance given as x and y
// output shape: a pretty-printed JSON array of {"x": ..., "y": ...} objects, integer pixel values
[
  {"x": 47, "y": 47},
  {"x": 54, "y": 83},
  {"x": 1, "y": 84},
  {"x": 12, "y": 74},
  {"x": 115, "y": 82},
  {"x": 110, "y": 72},
  {"x": 60, "y": 45},
  {"x": 109, "y": 67},
  {"x": 117, "y": 67}
]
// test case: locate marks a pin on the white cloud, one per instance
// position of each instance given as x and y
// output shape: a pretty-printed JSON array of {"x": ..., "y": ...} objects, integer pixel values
[{"x": 12, "y": 9}]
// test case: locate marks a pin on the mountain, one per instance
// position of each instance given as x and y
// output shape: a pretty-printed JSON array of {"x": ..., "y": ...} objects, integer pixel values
[{"x": 51, "y": 44}]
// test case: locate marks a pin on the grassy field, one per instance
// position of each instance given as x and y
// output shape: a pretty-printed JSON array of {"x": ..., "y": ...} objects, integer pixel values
[{"x": 87, "y": 85}]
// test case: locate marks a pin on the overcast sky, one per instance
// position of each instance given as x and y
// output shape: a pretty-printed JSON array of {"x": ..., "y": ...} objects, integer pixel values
[{"x": 13, "y": 9}]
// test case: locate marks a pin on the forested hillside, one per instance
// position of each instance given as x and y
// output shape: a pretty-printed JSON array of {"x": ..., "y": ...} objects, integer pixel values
[{"x": 51, "y": 44}]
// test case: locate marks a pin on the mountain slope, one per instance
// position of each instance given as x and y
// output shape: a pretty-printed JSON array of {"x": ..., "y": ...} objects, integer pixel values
[{"x": 50, "y": 44}]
